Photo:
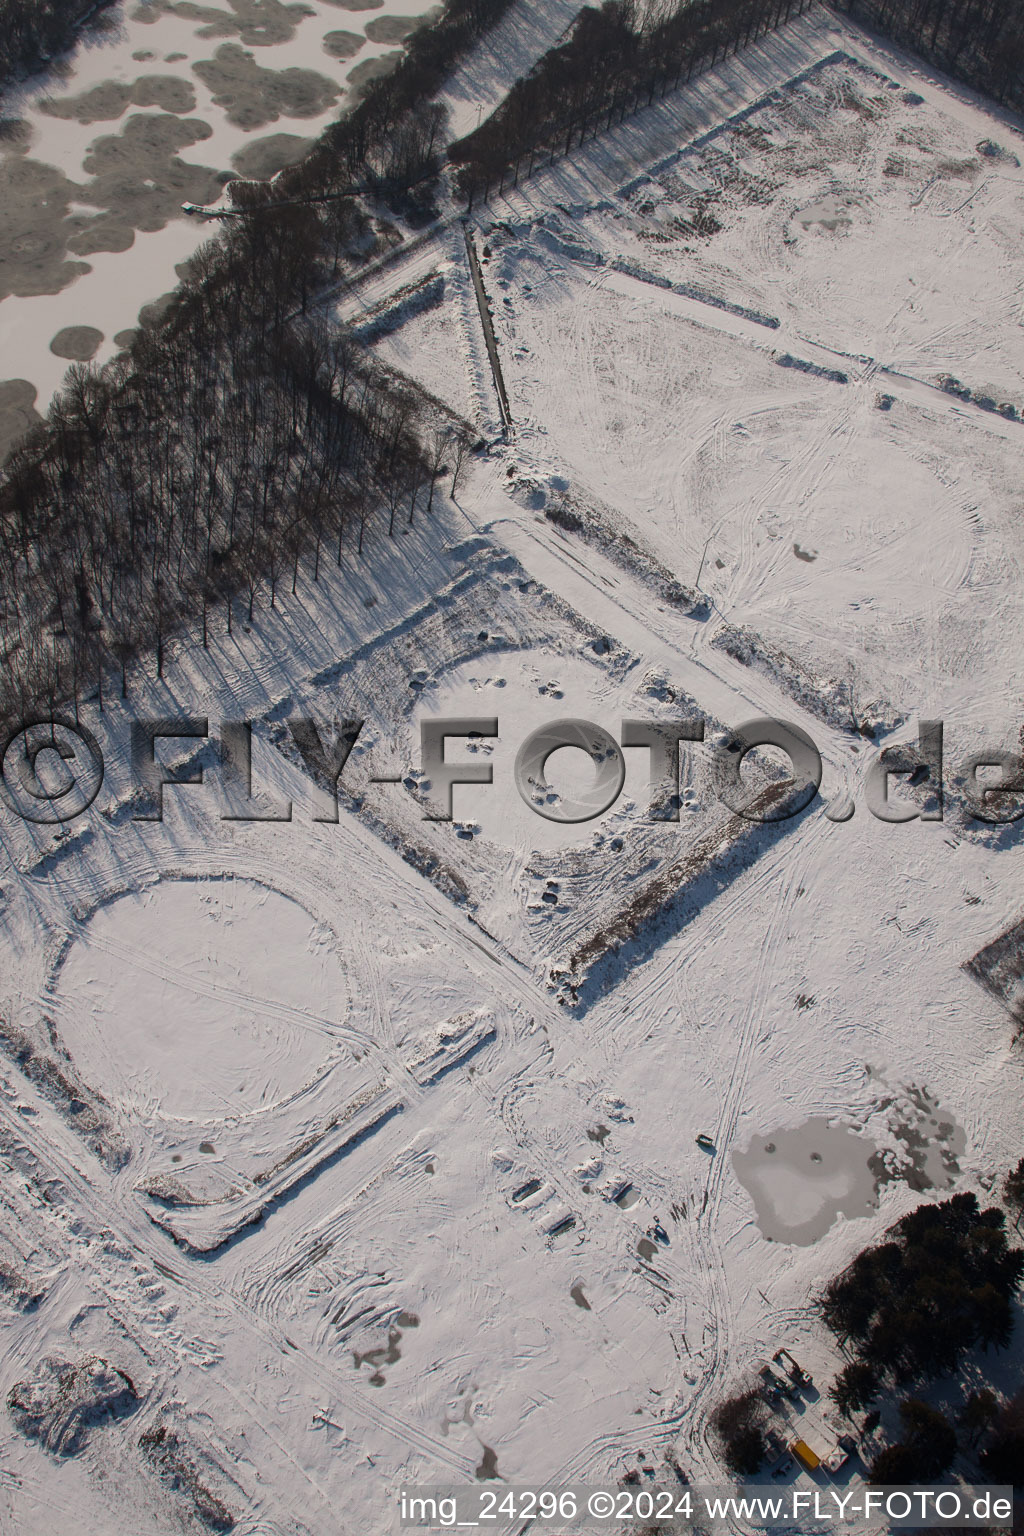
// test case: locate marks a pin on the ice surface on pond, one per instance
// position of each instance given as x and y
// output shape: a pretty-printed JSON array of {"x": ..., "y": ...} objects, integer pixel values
[
  {"x": 832, "y": 213},
  {"x": 803, "y": 1179},
  {"x": 162, "y": 108}
]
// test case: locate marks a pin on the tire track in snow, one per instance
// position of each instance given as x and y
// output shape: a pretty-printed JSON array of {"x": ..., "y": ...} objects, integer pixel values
[{"x": 706, "y": 1242}]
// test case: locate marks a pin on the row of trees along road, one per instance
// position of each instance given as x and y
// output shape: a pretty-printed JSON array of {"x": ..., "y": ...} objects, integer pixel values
[
  {"x": 242, "y": 435},
  {"x": 615, "y": 60}
]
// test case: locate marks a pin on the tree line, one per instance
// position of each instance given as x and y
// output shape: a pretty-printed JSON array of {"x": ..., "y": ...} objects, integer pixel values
[
  {"x": 392, "y": 138},
  {"x": 216, "y": 456},
  {"x": 615, "y": 60},
  {"x": 906, "y": 1311},
  {"x": 978, "y": 41},
  {"x": 987, "y": 1431},
  {"x": 240, "y": 439},
  {"x": 35, "y": 31},
  {"x": 944, "y": 1282}
]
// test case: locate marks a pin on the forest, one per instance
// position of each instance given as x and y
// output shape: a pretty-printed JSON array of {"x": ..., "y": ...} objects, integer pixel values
[
  {"x": 615, "y": 60},
  {"x": 945, "y": 1281},
  {"x": 238, "y": 436},
  {"x": 33, "y": 31},
  {"x": 980, "y": 42}
]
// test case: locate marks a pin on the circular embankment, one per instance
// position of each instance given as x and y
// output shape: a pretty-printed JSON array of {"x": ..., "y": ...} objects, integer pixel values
[{"x": 201, "y": 999}]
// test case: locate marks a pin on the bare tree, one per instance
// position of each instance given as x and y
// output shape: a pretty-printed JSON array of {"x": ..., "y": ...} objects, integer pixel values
[{"x": 460, "y": 448}]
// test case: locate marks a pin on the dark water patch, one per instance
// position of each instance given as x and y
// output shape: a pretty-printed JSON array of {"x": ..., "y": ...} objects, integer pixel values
[
  {"x": 78, "y": 343},
  {"x": 164, "y": 91},
  {"x": 17, "y": 412},
  {"x": 928, "y": 1143},
  {"x": 112, "y": 98},
  {"x": 33, "y": 253},
  {"x": 385, "y": 1354},
  {"x": 372, "y": 69},
  {"x": 802, "y": 1179},
  {"x": 488, "y": 1468},
  {"x": 343, "y": 45},
  {"x": 252, "y": 96},
  {"x": 263, "y": 158},
  {"x": 391, "y": 29},
  {"x": 257, "y": 23},
  {"x": 576, "y": 1292},
  {"x": 109, "y": 232},
  {"x": 139, "y": 175}
]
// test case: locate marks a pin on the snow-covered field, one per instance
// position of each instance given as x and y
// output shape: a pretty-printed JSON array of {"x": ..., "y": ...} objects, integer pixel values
[{"x": 366, "y": 1149}]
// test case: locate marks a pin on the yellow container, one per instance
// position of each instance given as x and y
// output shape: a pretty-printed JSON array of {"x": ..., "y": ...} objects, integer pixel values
[{"x": 805, "y": 1456}]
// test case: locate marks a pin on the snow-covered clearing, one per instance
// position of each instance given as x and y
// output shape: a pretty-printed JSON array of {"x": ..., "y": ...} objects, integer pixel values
[{"x": 348, "y": 1203}]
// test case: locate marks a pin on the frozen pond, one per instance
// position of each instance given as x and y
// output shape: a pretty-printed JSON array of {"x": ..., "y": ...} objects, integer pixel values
[
  {"x": 801, "y": 1180},
  {"x": 164, "y": 107},
  {"x": 832, "y": 213}
]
